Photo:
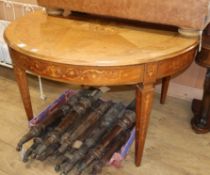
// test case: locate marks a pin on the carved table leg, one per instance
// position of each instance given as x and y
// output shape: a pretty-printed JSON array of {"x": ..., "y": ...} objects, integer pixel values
[
  {"x": 144, "y": 99},
  {"x": 201, "y": 109},
  {"x": 164, "y": 90},
  {"x": 24, "y": 90}
]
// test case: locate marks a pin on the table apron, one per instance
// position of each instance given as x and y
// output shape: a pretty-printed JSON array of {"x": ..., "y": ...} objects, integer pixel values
[
  {"x": 99, "y": 75},
  {"x": 80, "y": 75},
  {"x": 176, "y": 64}
]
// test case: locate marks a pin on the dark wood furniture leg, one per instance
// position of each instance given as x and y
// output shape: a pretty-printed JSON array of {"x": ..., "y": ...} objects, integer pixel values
[
  {"x": 144, "y": 99},
  {"x": 24, "y": 90},
  {"x": 164, "y": 89},
  {"x": 201, "y": 109}
]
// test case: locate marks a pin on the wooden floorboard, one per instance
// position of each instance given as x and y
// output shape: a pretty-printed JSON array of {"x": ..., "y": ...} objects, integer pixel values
[
  {"x": 3, "y": 173},
  {"x": 172, "y": 148}
]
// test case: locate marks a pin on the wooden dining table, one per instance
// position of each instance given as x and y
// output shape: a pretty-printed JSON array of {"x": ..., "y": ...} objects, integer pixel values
[{"x": 98, "y": 52}]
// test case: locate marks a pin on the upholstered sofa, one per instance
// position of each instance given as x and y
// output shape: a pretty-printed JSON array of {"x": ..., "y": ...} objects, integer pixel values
[{"x": 193, "y": 14}]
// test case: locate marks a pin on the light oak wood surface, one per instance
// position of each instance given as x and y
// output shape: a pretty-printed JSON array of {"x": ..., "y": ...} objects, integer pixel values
[{"x": 92, "y": 43}]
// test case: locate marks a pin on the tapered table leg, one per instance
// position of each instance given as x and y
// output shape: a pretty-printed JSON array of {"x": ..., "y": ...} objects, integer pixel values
[
  {"x": 164, "y": 89},
  {"x": 22, "y": 82},
  {"x": 144, "y": 99}
]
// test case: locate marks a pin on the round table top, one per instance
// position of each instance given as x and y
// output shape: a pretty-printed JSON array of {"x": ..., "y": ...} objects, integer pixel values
[{"x": 92, "y": 43}]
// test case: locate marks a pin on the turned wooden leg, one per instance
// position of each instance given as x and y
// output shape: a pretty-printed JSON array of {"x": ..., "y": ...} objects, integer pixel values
[
  {"x": 201, "y": 109},
  {"x": 144, "y": 99},
  {"x": 164, "y": 90},
  {"x": 24, "y": 90}
]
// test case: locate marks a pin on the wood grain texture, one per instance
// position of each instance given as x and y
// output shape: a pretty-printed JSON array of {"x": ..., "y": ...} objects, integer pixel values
[
  {"x": 144, "y": 100},
  {"x": 171, "y": 148},
  {"x": 12, "y": 166},
  {"x": 85, "y": 75},
  {"x": 3, "y": 173},
  {"x": 175, "y": 64},
  {"x": 92, "y": 43},
  {"x": 179, "y": 13},
  {"x": 87, "y": 53},
  {"x": 164, "y": 89},
  {"x": 24, "y": 90}
]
